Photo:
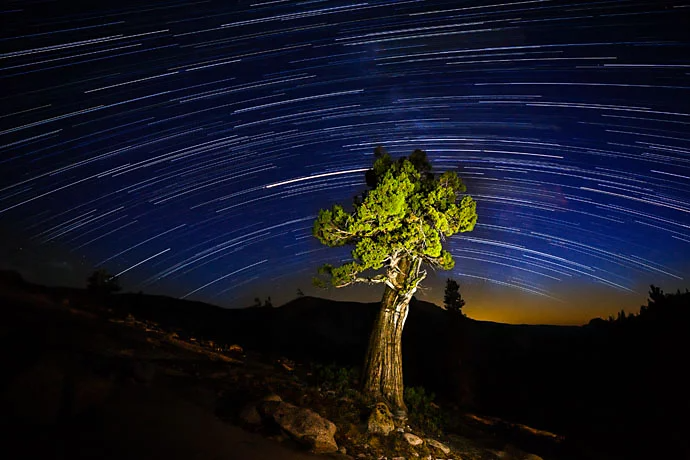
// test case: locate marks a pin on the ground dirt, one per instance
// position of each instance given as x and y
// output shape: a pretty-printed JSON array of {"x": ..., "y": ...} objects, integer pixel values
[
  {"x": 83, "y": 381},
  {"x": 77, "y": 385}
]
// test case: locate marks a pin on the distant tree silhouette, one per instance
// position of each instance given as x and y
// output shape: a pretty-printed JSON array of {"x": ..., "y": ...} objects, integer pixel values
[
  {"x": 257, "y": 302},
  {"x": 668, "y": 307},
  {"x": 660, "y": 307},
  {"x": 268, "y": 303},
  {"x": 649, "y": 348},
  {"x": 300, "y": 293},
  {"x": 452, "y": 299},
  {"x": 395, "y": 227},
  {"x": 100, "y": 282}
]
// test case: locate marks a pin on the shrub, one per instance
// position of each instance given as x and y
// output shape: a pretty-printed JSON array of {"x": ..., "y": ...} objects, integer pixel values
[
  {"x": 335, "y": 378},
  {"x": 422, "y": 410}
]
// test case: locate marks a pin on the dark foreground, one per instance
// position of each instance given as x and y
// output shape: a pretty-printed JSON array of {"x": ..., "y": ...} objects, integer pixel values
[
  {"x": 81, "y": 380},
  {"x": 72, "y": 389}
]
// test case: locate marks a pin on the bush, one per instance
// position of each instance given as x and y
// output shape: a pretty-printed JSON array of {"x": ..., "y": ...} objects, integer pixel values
[
  {"x": 335, "y": 378},
  {"x": 422, "y": 410}
]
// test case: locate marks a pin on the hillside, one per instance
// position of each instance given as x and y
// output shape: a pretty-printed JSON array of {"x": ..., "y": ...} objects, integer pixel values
[
  {"x": 81, "y": 382},
  {"x": 613, "y": 391}
]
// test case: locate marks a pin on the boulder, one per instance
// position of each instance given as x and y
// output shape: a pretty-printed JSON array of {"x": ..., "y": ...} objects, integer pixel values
[
  {"x": 272, "y": 397},
  {"x": 303, "y": 425},
  {"x": 413, "y": 439},
  {"x": 381, "y": 420},
  {"x": 250, "y": 416},
  {"x": 440, "y": 446}
]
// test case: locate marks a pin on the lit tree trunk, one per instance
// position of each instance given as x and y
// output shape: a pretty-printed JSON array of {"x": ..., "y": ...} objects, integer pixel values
[{"x": 382, "y": 373}]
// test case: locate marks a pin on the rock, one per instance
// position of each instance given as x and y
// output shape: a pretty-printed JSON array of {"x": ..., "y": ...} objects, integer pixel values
[
  {"x": 303, "y": 425},
  {"x": 510, "y": 452},
  {"x": 234, "y": 348},
  {"x": 142, "y": 371},
  {"x": 442, "y": 447},
  {"x": 250, "y": 416},
  {"x": 381, "y": 420},
  {"x": 413, "y": 439},
  {"x": 272, "y": 397},
  {"x": 342, "y": 450}
]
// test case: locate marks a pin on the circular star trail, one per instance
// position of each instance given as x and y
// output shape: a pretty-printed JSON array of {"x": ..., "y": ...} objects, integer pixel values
[{"x": 188, "y": 146}]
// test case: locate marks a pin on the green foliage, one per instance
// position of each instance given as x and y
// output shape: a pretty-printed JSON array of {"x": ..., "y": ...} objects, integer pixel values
[
  {"x": 452, "y": 299},
  {"x": 423, "y": 412},
  {"x": 101, "y": 282},
  {"x": 408, "y": 212},
  {"x": 335, "y": 378}
]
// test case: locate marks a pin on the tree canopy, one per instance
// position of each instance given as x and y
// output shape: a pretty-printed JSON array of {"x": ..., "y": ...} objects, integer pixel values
[{"x": 407, "y": 213}]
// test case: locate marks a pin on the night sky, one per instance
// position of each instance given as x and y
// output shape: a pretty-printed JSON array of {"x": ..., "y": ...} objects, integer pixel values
[{"x": 188, "y": 146}]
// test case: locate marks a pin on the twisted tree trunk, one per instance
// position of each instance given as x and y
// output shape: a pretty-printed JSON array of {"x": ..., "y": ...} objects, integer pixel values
[{"x": 382, "y": 373}]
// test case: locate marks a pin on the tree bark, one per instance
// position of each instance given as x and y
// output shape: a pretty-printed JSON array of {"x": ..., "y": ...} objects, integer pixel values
[{"x": 382, "y": 373}]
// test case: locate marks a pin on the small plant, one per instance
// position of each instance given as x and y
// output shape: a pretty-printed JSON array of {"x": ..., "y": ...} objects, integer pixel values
[
  {"x": 334, "y": 378},
  {"x": 423, "y": 412}
]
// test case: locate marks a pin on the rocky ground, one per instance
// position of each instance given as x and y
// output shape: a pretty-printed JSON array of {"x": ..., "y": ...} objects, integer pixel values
[{"x": 86, "y": 382}]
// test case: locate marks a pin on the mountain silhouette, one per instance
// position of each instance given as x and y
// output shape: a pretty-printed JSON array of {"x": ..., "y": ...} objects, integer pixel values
[{"x": 616, "y": 386}]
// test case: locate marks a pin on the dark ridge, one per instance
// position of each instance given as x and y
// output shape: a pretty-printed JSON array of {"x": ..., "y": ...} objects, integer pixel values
[{"x": 612, "y": 384}]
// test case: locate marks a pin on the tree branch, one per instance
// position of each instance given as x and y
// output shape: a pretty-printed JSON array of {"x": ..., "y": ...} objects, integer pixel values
[{"x": 378, "y": 279}]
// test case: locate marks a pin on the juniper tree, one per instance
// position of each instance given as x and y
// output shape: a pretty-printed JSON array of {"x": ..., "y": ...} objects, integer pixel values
[{"x": 396, "y": 227}]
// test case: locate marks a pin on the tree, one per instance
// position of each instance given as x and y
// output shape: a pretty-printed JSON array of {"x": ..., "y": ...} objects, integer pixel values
[
  {"x": 300, "y": 293},
  {"x": 395, "y": 227},
  {"x": 101, "y": 282},
  {"x": 452, "y": 299},
  {"x": 266, "y": 304}
]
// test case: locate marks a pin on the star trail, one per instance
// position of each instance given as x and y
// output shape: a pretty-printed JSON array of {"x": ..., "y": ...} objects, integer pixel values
[{"x": 188, "y": 146}]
